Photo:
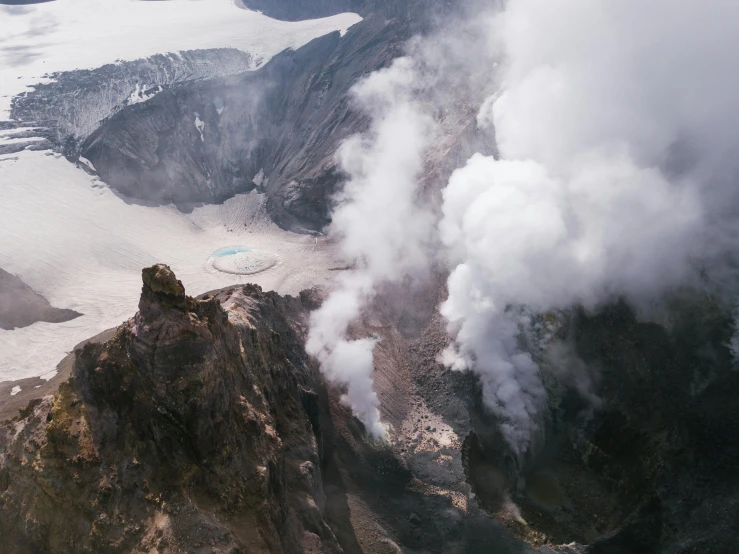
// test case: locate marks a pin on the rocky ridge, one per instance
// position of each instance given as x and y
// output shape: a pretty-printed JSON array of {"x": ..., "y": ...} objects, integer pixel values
[
  {"x": 275, "y": 129},
  {"x": 188, "y": 429},
  {"x": 200, "y": 425}
]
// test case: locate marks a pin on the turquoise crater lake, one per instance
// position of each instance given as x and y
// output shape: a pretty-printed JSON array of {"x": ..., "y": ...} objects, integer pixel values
[
  {"x": 230, "y": 251},
  {"x": 241, "y": 260}
]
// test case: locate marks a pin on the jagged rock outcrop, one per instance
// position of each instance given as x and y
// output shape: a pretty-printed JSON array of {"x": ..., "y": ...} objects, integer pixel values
[
  {"x": 186, "y": 431},
  {"x": 202, "y": 426},
  {"x": 21, "y": 306}
]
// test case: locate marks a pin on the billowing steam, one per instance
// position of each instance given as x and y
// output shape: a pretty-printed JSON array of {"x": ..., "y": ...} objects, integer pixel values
[
  {"x": 381, "y": 227},
  {"x": 617, "y": 132},
  {"x": 612, "y": 119}
]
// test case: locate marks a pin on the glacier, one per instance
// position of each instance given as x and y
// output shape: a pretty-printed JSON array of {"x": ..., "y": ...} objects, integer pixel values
[
  {"x": 43, "y": 39},
  {"x": 82, "y": 246}
]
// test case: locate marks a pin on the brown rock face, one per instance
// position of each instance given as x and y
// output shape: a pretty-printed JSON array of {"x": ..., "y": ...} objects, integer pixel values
[
  {"x": 161, "y": 286},
  {"x": 186, "y": 432}
]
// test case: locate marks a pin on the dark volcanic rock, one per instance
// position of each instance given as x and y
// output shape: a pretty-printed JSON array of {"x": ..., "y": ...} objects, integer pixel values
[
  {"x": 161, "y": 288},
  {"x": 23, "y": 2},
  {"x": 200, "y": 425},
  {"x": 420, "y": 11},
  {"x": 186, "y": 431},
  {"x": 21, "y": 306},
  {"x": 277, "y": 129},
  {"x": 652, "y": 468}
]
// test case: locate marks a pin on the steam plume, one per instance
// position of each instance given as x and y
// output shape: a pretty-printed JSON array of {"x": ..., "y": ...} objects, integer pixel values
[
  {"x": 615, "y": 123},
  {"x": 380, "y": 225},
  {"x": 616, "y": 129}
]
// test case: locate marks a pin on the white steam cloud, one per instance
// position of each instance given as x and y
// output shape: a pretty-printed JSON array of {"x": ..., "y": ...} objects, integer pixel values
[
  {"x": 615, "y": 121},
  {"x": 617, "y": 131},
  {"x": 381, "y": 227}
]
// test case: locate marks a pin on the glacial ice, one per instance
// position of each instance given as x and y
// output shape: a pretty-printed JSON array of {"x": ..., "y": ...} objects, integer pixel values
[
  {"x": 45, "y": 38},
  {"x": 82, "y": 246}
]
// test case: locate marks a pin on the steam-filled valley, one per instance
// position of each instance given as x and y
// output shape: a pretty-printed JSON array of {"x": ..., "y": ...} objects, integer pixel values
[{"x": 340, "y": 276}]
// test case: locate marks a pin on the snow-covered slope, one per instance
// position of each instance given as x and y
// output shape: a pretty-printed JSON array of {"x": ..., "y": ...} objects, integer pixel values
[
  {"x": 82, "y": 246},
  {"x": 66, "y": 234},
  {"x": 76, "y": 102},
  {"x": 41, "y": 39}
]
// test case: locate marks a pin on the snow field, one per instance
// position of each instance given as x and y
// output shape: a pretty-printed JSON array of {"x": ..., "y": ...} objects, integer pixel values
[
  {"x": 63, "y": 35},
  {"x": 82, "y": 246}
]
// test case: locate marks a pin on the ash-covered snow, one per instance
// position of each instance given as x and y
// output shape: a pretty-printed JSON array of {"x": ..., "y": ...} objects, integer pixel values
[
  {"x": 45, "y": 38},
  {"x": 14, "y": 131},
  {"x": 13, "y": 140},
  {"x": 82, "y": 246}
]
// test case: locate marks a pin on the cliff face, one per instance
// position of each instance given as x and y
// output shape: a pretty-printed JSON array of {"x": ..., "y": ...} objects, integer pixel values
[
  {"x": 276, "y": 129},
  {"x": 187, "y": 429},
  {"x": 198, "y": 127}
]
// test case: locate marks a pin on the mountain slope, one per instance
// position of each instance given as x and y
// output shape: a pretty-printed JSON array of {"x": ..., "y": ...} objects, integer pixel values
[
  {"x": 276, "y": 129},
  {"x": 201, "y": 424},
  {"x": 170, "y": 435},
  {"x": 45, "y": 39}
]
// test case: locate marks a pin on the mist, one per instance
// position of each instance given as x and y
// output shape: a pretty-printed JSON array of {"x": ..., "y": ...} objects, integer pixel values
[
  {"x": 614, "y": 125},
  {"x": 615, "y": 132},
  {"x": 381, "y": 227}
]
